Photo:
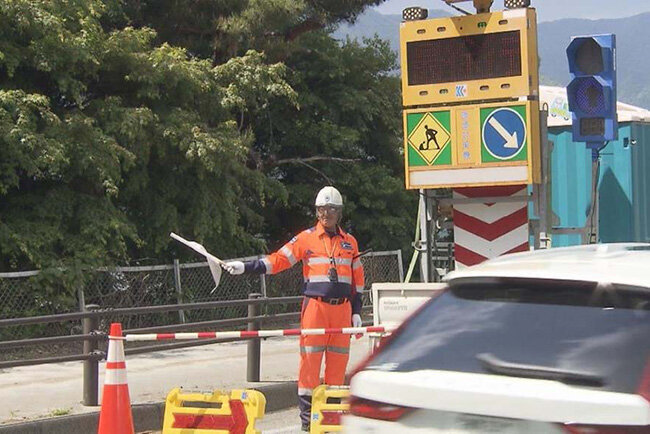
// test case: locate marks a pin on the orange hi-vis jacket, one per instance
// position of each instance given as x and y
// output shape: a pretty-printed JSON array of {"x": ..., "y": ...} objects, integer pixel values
[{"x": 319, "y": 252}]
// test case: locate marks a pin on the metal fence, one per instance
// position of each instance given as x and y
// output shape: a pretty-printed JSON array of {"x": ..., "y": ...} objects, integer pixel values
[{"x": 23, "y": 294}]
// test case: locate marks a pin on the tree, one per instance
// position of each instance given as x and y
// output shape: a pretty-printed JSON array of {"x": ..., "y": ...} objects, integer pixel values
[
  {"x": 347, "y": 133},
  {"x": 121, "y": 120},
  {"x": 108, "y": 140},
  {"x": 346, "y": 128}
]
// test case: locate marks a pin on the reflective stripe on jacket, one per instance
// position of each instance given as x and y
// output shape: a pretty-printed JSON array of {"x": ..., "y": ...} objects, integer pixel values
[{"x": 314, "y": 247}]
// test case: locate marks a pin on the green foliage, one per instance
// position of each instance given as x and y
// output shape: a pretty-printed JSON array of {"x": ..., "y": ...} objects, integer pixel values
[
  {"x": 61, "y": 411},
  {"x": 123, "y": 120},
  {"x": 108, "y": 140},
  {"x": 350, "y": 115}
]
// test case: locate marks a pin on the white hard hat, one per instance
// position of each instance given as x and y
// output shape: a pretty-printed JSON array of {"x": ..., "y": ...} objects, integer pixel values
[{"x": 329, "y": 196}]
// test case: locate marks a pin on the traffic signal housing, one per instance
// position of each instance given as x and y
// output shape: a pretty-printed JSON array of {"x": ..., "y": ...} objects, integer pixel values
[{"x": 592, "y": 90}]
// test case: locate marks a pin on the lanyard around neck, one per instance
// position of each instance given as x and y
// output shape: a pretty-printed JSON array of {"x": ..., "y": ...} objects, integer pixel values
[{"x": 330, "y": 255}]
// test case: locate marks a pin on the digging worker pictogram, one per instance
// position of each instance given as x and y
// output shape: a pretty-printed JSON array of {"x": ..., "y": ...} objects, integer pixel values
[
  {"x": 333, "y": 286},
  {"x": 431, "y": 137}
]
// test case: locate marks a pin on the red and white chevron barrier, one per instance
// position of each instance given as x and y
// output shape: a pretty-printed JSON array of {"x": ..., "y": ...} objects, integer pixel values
[
  {"x": 257, "y": 333},
  {"x": 487, "y": 230}
]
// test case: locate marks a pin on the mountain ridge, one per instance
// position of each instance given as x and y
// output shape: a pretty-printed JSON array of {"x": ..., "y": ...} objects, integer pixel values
[{"x": 548, "y": 10}]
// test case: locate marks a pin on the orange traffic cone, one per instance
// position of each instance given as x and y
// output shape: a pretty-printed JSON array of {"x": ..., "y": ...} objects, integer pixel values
[{"x": 115, "y": 416}]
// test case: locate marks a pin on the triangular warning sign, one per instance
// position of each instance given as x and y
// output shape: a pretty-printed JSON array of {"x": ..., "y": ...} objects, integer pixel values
[{"x": 429, "y": 138}]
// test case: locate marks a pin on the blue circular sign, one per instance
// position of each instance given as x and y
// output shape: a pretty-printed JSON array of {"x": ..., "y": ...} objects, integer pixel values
[{"x": 504, "y": 133}]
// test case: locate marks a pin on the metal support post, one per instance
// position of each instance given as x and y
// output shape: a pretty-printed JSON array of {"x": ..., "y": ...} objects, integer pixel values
[
  {"x": 430, "y": 206},
  {"x": 450, "y": 258},
  {"x": 429, "y": 213},
  {"x": 430, "y": 238},
  {"x": 81, "y": 297},
  {"x": 91, "y": 367},
  {"x": 263, "y": 285},
  {"x": 422, "y": 210},
  {"x": 254, "y": 345},
  {"x": 434, "y": 253},
  {"x": 400, "y": 266},
  {"x": 179, "y": 290},
  {"x": 544, "y": 204},
  {"x": 592, "y": 222}
]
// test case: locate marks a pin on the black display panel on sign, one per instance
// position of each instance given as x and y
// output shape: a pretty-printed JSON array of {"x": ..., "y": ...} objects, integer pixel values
[
  {"x": 464, "y": 58},
  {"x": 592, "y": 126}
]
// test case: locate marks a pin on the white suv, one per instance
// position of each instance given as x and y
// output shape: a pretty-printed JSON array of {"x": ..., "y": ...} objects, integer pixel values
[{"x": 553, "y": 341}]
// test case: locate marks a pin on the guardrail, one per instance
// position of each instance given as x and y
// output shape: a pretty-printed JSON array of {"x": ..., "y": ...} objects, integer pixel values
[
  {"x": 35, "y": 293},
  {"x": 92, "y": 336},
  {"x": 150, "y": 285}
]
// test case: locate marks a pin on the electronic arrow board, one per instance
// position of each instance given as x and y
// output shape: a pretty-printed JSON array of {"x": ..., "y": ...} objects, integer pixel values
[{"x": 469, "y": 58}]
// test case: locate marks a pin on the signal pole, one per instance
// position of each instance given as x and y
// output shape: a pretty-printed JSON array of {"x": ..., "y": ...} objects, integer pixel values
[{"x": 592, "y": 101}]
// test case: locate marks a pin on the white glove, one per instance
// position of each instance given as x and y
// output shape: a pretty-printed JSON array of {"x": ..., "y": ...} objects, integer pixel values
[
  {"x": 356, "y": 320},
  {"x": 234, "y": 267}
]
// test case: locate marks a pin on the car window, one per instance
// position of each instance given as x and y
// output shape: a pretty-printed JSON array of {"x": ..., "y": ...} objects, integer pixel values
[{"x": 578, "y": 327}]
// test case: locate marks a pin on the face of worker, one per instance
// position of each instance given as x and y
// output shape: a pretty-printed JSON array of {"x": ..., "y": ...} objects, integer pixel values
[{"x": 328, "y": 216}]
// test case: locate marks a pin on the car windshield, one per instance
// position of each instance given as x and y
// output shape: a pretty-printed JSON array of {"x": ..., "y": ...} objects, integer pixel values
[{"x": 566, "y": 327}]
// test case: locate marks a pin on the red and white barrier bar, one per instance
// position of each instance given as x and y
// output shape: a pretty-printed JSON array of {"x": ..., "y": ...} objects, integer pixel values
[{"x": 257, "y": 333}]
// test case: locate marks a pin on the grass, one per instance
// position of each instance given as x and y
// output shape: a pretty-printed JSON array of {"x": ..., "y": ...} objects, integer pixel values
[{"x": 60, "y": 411}]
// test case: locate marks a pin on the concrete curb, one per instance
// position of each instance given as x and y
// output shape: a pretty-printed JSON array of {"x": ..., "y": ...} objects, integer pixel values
[{"x": 146, "y": 417}]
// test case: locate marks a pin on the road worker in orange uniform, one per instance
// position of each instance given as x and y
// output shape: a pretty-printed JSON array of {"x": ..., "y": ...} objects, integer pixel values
[{"x": 333, "y": 286}]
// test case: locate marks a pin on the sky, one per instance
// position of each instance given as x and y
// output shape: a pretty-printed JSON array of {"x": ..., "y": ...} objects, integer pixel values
[{"x": 548, "y": 10}]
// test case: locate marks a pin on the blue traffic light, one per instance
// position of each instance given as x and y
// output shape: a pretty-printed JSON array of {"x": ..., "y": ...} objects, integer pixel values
[{"x": 592, "y": 90}]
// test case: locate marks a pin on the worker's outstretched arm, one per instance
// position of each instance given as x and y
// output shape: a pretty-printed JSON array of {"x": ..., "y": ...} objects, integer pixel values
[{"x": 286, "y": 257}]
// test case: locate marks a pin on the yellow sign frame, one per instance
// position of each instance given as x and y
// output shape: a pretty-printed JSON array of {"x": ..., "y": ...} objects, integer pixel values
[
  {"x": 527, "y": 84},
  {"x": 466, "y": 140}
]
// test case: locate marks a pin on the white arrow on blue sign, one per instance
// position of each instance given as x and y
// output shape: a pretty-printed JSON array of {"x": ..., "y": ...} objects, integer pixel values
[{"x": 504, "y": 133}]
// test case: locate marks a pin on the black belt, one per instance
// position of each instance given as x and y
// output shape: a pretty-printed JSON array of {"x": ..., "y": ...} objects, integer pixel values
[{"x": 329, "y": 300}]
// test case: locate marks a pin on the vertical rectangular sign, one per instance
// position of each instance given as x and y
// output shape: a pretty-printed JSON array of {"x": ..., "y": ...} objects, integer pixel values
[{"x": 468, "y": 144}]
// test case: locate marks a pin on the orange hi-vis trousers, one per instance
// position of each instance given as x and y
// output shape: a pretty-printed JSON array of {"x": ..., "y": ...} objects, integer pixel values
[{"x": 336, "y": 348}]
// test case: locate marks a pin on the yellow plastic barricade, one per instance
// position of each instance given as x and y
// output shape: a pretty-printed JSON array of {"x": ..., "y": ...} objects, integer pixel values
[
  {"x": 326, "y": 416},
  {"x": 213, "y": 413}
]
